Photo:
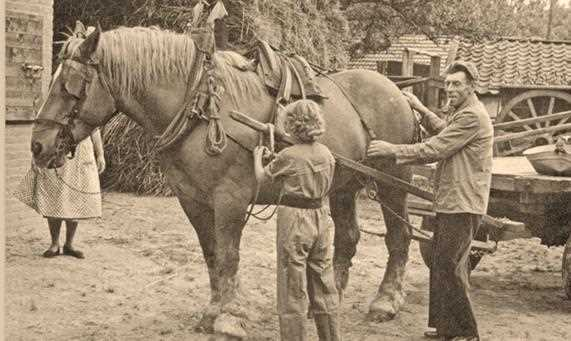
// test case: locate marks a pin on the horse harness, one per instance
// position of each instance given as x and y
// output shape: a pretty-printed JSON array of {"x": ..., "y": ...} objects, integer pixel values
[{"x": 199, "y": 103}]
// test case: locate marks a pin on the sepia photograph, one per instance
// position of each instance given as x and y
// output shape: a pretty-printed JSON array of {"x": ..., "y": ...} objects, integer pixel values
[{"x": 289, "y": 170}]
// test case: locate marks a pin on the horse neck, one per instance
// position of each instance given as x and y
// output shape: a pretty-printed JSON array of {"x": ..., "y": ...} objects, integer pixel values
[{"x": 156, "y": 107}]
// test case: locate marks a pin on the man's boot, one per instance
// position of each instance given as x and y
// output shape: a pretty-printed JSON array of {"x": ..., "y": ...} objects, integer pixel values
[{"x": 327, "y": 327}]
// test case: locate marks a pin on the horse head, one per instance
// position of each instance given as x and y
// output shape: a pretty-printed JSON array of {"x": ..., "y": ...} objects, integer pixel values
[{"x": 79, "y": 100}]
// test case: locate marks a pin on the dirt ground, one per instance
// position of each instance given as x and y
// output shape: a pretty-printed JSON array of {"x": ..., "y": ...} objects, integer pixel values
[{"x": 144, "y": 278}]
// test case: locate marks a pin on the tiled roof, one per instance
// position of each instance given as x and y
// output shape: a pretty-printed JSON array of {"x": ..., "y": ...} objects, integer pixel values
[
  {"x": 395, "y": 52},
  {"x": 513, "y": 62}
]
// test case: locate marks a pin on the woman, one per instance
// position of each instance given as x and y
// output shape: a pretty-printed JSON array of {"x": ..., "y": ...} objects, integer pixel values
[{"x": 69, "y": 193}]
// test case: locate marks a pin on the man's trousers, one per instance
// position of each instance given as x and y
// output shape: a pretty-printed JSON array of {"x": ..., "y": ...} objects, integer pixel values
[{"x": 450, "y": 308}]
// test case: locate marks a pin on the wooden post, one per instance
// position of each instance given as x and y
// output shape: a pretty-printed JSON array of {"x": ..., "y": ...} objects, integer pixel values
[
  {"x": 381, "y": 67},
  {"x": 407, "y": 67},
  {"x": 407, "y": 62},
  {"x": 432, "y": 91}
]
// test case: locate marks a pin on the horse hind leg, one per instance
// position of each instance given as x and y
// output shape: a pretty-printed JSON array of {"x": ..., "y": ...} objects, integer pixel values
[
  {"x": 343, "y": 207},
  {"x": 390, "y": 296}
]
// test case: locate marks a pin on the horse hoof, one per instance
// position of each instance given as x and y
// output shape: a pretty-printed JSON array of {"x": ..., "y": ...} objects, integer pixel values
[
  {"x": 341, "y": 278},
  {"x": 381, "y": 311},
  {"x": 206, "y": 324},
  {"x": 230, "y": 326}
]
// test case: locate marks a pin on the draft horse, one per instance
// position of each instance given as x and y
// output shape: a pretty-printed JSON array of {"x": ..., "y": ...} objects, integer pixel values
[{"x": 145, "y": 72}]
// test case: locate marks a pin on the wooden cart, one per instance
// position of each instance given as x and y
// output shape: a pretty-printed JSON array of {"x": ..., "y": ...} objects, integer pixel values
[{"x": 542, "y": 203}]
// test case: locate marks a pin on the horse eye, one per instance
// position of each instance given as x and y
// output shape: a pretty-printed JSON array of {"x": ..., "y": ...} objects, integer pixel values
[{"x": 74, "y": 86}]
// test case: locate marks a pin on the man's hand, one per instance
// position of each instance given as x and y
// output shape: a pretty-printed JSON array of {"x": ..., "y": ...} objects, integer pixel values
[
  {"x": 379, "y": 148},
  {"x": 414, "y": 102}
]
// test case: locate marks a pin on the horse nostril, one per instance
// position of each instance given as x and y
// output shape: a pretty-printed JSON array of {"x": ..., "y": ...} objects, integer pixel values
[{"x": 36, "y": 148}]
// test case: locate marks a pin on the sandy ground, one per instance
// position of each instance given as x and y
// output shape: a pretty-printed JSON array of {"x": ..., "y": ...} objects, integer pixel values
[{"x": 144, "y": 278}]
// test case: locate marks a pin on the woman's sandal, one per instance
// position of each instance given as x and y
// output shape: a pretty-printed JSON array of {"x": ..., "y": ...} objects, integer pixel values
[
  {"x": 51, "y": 254},
  {"x": 71, "y": 252}
]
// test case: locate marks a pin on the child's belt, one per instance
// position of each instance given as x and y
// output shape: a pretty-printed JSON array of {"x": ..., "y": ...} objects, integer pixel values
[{"x": 300, "y": 202}]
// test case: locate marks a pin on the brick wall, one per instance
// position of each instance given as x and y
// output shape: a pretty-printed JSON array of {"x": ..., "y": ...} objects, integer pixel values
[
  {"x": 29, "y": 32},
  {"x": 29, "y": 26}
]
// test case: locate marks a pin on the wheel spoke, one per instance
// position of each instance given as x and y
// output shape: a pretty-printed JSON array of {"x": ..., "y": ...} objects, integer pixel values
[
  {"x": 550, "y": 139},
  {"x": 532, "y": 111},
  {"x": 550, "y": 110},
  {"x": 516, "y": 118},
  {"x": 563, "y": 121}
]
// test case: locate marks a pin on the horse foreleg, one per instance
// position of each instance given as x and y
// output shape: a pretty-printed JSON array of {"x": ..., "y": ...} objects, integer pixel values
[
  {"x": 343, "y": 211},
  {"x": 201, "y": 217},
  {"x": 391, "y": 293},
  {"x": 229, "y": 223}
]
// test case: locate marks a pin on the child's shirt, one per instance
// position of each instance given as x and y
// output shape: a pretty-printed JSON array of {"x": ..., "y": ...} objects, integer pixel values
[{"x": 306, "y": 170}]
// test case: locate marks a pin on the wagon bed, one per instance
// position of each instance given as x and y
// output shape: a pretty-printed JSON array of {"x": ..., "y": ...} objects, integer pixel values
[{"x": 518, "y": 192}]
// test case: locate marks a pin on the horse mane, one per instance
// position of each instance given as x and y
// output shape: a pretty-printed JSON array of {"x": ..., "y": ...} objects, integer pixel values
[
  {"x": 236, "y": 73},
  {"x": 134, "y": 59}
]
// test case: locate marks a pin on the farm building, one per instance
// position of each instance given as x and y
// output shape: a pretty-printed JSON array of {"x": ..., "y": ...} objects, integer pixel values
[
  {"x": 29, "y": 27},
  {"x": 390, "y": 61}
]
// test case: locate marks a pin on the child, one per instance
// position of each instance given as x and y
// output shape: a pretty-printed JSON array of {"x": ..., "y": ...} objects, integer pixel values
[{"x": 304, "y": 236}]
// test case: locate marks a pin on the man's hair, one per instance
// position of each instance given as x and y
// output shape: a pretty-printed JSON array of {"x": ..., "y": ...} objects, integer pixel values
[
  {"x": 468, "y": 68},
  {"x": 304, "y": 120}
]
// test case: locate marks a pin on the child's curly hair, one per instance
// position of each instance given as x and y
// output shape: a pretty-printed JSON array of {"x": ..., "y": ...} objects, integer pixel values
[{"x": 304, "y": 121}]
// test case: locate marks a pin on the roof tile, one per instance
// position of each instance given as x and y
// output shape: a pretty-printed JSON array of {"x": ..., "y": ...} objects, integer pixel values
[{"x": 519, "y": 62}]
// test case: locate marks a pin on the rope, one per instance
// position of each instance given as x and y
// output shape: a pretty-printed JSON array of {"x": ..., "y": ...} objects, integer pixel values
[
  {"x": 216, "y": 139},
  {"x": 216, "y": 136},
  {"x": 374, "y": 195}
]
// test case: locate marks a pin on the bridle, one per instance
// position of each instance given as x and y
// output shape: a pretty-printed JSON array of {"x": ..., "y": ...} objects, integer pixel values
[{"x": 65, "y": 142}]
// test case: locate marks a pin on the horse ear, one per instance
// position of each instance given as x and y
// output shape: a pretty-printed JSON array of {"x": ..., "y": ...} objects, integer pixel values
[
  {"x": 89, "y": 45},
  {"x": 79, "y": 29}
]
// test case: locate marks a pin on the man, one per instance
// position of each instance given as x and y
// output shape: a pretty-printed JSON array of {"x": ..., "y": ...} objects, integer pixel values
[{"x": 463, "y": 148}]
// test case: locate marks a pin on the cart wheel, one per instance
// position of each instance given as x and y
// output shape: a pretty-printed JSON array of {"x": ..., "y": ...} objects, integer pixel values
[
  {"x": 426, "y": 248},
  {"x": 530, "y": 104},
  {"x": 566, "y": 268}
]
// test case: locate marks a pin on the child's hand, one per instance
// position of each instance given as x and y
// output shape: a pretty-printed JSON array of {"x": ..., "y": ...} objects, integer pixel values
[{"x": 261, "y": 151}]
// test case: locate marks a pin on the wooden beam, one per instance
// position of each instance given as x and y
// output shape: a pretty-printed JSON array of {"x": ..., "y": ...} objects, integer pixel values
[
  {"x": 423, "y": 52},
  {"x": 354, "y": 165},
  {"x": 410, "y": 82},
  {"x": 477, "y": 245},
  {"x": 342, "y": 160},
  {"x": 509, "y": 137},
  {"x": 528, "y": 121}
]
